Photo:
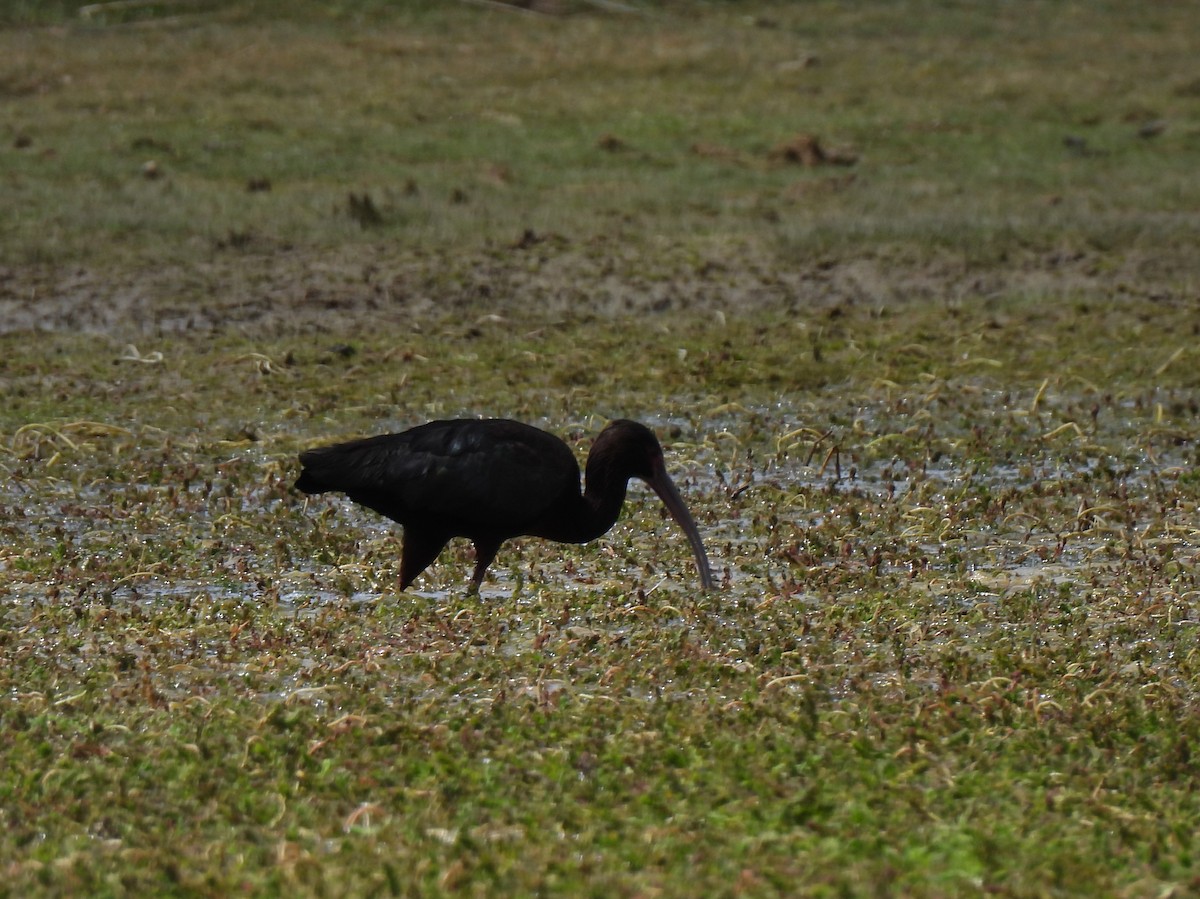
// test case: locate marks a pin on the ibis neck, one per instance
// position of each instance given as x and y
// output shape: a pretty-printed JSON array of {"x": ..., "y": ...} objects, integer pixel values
[
  {"x": 593, "y": 512},
  {"x": 603, "y": 498}
]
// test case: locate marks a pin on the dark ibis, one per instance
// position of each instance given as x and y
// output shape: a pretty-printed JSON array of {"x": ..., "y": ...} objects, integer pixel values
[{"x": 490, "y": 480}]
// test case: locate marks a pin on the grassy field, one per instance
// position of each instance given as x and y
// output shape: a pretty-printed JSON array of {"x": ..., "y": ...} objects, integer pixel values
[{"x": 910, "y": 293}]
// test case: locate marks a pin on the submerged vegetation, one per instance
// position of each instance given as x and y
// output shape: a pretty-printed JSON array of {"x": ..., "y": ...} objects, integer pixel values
[{"x": 931, "y": 395}]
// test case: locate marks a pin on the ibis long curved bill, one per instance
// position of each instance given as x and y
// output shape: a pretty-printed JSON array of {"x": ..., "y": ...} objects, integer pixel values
[{"x": 660, "y": 482}]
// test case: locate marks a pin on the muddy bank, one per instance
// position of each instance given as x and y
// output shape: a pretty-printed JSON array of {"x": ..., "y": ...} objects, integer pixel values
[{"x": 276, "y": 290}]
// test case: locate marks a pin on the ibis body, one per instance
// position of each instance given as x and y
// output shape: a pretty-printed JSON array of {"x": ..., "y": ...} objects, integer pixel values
[{"x": 493, "y": 479}]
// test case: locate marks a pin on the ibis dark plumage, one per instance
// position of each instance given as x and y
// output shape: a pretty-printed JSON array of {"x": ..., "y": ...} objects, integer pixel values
[{"x": 490, "y": 480}]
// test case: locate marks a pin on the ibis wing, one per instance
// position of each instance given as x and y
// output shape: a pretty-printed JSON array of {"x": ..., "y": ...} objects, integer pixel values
[{"x": 462, "y": 473}]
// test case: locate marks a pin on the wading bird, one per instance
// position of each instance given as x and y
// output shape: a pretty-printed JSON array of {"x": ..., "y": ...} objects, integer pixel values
[{"x": 491, "y": 480}]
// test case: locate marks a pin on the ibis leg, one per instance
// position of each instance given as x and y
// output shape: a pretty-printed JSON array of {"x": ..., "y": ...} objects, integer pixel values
[
  {"x": 485, "y": 552},
  {"x": 420, "y": 549}
]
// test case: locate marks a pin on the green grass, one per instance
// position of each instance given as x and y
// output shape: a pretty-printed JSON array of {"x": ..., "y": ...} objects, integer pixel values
[
  {"x": 463, "y": 123},
  {"x": 935, "y": 413}
]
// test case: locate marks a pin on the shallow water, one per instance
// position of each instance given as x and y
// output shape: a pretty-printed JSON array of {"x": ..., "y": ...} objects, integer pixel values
[{"x": 765, "y": 486}]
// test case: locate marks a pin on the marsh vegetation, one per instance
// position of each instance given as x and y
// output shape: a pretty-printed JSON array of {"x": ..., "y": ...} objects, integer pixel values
[{"x": 931, "y": 395}]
